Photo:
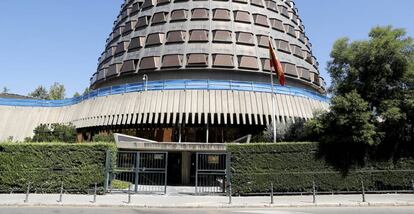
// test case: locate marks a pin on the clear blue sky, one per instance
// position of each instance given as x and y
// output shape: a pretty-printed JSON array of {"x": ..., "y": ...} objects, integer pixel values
[{"x": 47, "y": 41}]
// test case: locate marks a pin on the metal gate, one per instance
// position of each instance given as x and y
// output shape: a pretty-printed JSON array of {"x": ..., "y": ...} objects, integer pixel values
[
  {"x": 142, "y": 172},
  {"x": 212, "y": 173}
]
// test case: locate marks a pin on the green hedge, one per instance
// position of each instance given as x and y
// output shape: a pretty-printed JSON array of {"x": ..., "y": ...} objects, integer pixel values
[
  {"x": 47, "y": 165},
  {"x": 293, "y": 167}
]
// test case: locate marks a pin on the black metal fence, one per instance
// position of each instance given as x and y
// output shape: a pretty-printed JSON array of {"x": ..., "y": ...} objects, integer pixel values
[{"x": 211, "y": 173}]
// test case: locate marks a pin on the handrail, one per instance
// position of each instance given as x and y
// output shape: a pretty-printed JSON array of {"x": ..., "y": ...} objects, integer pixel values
[{"x": 168, "y": 85}]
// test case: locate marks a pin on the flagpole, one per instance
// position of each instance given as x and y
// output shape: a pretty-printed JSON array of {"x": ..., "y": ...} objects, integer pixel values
[{"x": 273, "y": 96}]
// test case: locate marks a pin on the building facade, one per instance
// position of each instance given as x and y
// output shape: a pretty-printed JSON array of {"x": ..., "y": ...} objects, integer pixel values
[{"x": 188, "y": 71}]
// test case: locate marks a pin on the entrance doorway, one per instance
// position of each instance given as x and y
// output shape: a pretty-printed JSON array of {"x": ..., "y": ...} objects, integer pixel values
[{"x": 174, "y": 169}]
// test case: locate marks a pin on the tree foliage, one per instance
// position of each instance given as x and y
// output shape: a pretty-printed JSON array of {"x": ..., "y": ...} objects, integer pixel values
[
  {"x": 57, "y": 91},
  {"x": 40, "y": 92},
  {"x": 54, "y": 133},
  {"x": 373, "y": 93},
  {"x": 5, "y": 90}
]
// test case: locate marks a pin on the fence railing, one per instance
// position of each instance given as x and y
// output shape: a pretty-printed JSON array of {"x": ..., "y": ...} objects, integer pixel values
[{"x": 168, "y": 85}]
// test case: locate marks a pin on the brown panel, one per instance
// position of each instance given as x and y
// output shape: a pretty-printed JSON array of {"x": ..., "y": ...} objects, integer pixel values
[
  {"x": 290, "y": 69},
  {"x": 143, "y": 21},
  {"x": 221, "y": 14},
  {"x": 129, "y": 27},
  {"x": 302, "y": 37},
  {"x": 148, "y": 4},
  {"x": 152, "y": 62},
  {"x": 316, "y": 79},
  {"x": 260, "y": 20},
  {"x": 113, "y": 70},
  {"x": 277, "y": 25},
  {"x": 263, "y": 41},
  {"x": 257, "y": 3},
  {"x": 290, "y": 30},
  {"x": 159, "y": 18},
  {"x": 161, "y": 2},
  {"x": 284, "y": 11},
  {"x": 241, "y": 16},
  {"x": 245, "y": 38},
  {"x": 155, "y": 39},
  {"x": 222, "y": 36},
  {"x": 136, "y": 43},
  {"x": 283, "y": 46},
  {"x": 304, "y": 73},
  {"x": 271, "y": 5},
  {"x": 117, "y": 32},
  {"x": 197, "y": 60},
  {"x": 265, "y": 64},
  {"x": 248, "y": 62},
  {"x": 135, "y": 8},
  {"x": 129, "y": 66},
  {"x": 174, "y": 60},
  {"x": 121, "y": 47},
  {"x": 308, "y": 57},
  {"x": 199, "y": 13},
  {"x": 297, "y": 51},
  {"x": 198, "y": 36},
  {"x": 223, "y": 60},
  {"x": 101, "y": 74},
  {"x": 177, "y": 15},
  {"x": 176, "y": 36},
  {"x": 110, "y": 52}
]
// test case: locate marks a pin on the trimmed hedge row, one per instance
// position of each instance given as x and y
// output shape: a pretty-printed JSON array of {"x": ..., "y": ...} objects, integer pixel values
[
  {"x": 293, "y": 167},
  {"x": 47, "y": 165}
]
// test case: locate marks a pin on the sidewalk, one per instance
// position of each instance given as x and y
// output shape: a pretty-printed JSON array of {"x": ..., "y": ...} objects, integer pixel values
[{"x": 185, "y": 201}]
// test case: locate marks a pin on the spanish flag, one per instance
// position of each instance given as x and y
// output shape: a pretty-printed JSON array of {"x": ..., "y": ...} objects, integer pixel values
[{"x": 275, "y": 63}]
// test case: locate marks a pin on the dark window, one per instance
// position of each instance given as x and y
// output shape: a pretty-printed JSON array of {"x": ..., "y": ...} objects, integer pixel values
[
  {"x": 244, "y": 38},
  {"x": 290, "y": 30},
  {"x": 221, "y": 14},
  {"x": 148, "y": 4},
  {"x": 142, "y": 22},
  {"x": 222, "y": 36},
  {"x": 302, "y": 37},
  {"x": 308, "y": 57},
  {"x": 271, "y": 5},
  {"x": 101, "y": 74},
  {"x": 199, "y": 36},
  {"x": 129, "y": 66},
  {"x": 297, "y": 51},
  {"x": 155, "y": 39},
  {"x": 110, "y": 52},
  {"x": 304, "y": 73},
  {"x": 159, "y": 18},
  {"x": 199, "y": 60},
  {"x": 129, "y": 27},
  {"x": 223, "y": 60},
  {"x": 316, "y": 79},
  {"x": 242, "y": 16},
  {"x": 241, "y": 1},
  {"x": 277, "y": 25},
  {"x": 136, "y": 43},
  {"x": 113, "y": 70},
  {"x": 284, "y": 11},
  {"x": 283, "y": 46},
  {"x": 174, "y": 60},
  {"x": 199, "y": 13},
  {"x": 152, "y": 62},
  {"x": 177, "y": 15},
  {"x": 117, "y": 32},
  {"x": 121, "y": 47},
  {"x": 263, "y": 41},
  {"x": 265, "y": 64},
  {"x": 248, "y": 62},
  {"x": 176, "y": 36},
  {"x": 290, "y": 69},
  {"x": 135, "y": 8},
  {"x": 258, "y": 3},
  {"x": 160, "y": 2},
  {"x": 260, "y": 20}
]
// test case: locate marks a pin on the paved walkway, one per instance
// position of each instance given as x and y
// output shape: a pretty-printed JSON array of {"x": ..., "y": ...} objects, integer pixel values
[{"x": 186, "y": 201}]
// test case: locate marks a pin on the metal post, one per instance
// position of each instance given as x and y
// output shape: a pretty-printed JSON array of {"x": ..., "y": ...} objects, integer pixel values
[
  {"x": 230, "y": 193},
  {"x": 314, "y": 191},
  {"x": 61, "y": 193},
  {"x": 166, "y": 173},
  {"x": 27, "y": 193},
  {"x": 228, "y": 174},
  {"x": 363, "y": 191},
  {"x": 129, "y": 193},
  {"x": 107, "y": 170},
  {"x": 412, "y": 185},
  {"x": 94, "y": 193},
  {"x": 207, "y": 131},
  {"x": 196, "y": 175},
  {"x": 179, "y": 132},
  {"x": 271, "y": 193},
  {"x": 138, "y": 157}
]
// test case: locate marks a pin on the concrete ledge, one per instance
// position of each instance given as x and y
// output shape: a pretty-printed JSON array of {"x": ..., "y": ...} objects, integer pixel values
[{"x": 192, "y": 147}]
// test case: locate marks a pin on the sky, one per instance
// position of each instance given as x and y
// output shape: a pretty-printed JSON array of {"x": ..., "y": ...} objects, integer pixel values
[{"x": 47, "y": 41}]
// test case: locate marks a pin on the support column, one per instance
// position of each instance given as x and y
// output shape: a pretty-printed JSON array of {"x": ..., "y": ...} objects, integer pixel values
[{"x": 185, "y": 167}]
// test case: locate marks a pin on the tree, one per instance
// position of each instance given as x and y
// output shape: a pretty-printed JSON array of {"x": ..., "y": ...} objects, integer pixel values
[
  {"x": 5, "y": 90},
  {"x": 54, "y": 133},
  {"x": 76, "y": 95},
  {"x": 40, "y": 92},
  {"x": 57, "y": 91},
  {"x": 86, "y": 91}
]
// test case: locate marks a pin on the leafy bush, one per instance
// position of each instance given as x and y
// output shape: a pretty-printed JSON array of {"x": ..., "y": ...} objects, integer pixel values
[
  {"x": 54, "y": 133},
  {"x": 103, "y": 137},
  {"x": 292, "y": 167},
  {"x": 47, "y": 165}
]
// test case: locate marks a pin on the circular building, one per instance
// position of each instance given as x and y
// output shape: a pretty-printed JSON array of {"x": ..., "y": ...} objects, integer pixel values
[
  {"x": 188, "y": 71},
  {"x": 204, "y": 67}
]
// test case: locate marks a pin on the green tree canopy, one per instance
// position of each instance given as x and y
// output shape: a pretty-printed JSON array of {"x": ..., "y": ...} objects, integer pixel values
[
  {"x": 57, "y": 91},
  {"x": 40, "y": 92},
  {"x": 5, "y": 90}
]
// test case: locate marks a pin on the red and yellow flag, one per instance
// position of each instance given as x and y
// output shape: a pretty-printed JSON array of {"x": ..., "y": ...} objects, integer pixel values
[{"x": 275, "y": 63}]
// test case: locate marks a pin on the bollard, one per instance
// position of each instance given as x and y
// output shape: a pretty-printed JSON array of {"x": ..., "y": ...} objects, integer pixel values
[
  {"x": 314, "y": 192},
  {"x": 271, "y": 193},
  {"x": 230, "y": 193},
  {"x": 363, "y": 191},
  {"x": 61, "y": 193},
  {"x": 27, "y": 193},
  {"x": 94, "y": 193},
  {"x": 129, "y": 194}
]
